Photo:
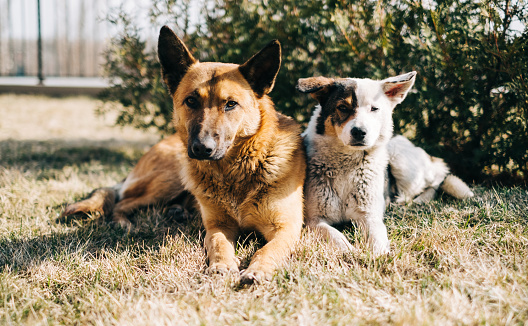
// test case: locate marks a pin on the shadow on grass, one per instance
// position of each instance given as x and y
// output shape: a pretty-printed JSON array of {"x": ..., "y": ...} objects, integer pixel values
[
  {"x": 57, "y": 154},
  {"x": 95, "y": 238},
  {"x": 92, "y": 237}
]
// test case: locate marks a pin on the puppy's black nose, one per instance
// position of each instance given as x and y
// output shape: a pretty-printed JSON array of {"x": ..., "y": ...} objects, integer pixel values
[
  {"x": 358, "y": 133},
  {"x": 203, "y": 150}
]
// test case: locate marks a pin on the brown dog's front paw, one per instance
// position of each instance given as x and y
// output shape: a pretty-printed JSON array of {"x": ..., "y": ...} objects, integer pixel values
[
  {"x": 222, "y": 269},
  {"x": 252, "y": 276},
  {"x": 179, "y": 214},
  {"x": 122, "y": 222},
  {"x": 77, "y": 209},
  {"x": 69, "y": 210}
]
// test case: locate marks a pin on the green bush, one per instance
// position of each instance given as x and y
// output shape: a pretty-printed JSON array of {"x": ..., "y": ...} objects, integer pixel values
[{"x": 470, "y": 103}]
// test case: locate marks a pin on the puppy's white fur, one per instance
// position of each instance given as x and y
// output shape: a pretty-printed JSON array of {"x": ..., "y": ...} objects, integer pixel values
[
  {"x": 418, "y": 175},
  {"x": 346, "y": 176}
]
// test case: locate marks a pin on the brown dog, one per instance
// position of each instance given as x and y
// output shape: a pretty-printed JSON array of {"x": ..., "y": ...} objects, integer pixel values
[{"x": 243, "y": 161}]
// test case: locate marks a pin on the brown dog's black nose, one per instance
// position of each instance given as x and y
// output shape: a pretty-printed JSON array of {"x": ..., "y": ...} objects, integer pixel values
[
  {"x": 358, "y": 133},
  {"x": 202, "y": 150}
]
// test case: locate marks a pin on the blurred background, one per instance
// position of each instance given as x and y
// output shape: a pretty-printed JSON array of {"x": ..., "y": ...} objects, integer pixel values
[
  {"x": 74, "y": 34},
  {"x": 469, "y": 104}
]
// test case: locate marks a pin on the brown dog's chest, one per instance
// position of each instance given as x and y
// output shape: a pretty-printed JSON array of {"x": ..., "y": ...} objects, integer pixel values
[
  {"x": 231, "y": 193},
  {"x": 237, "y": 187}
]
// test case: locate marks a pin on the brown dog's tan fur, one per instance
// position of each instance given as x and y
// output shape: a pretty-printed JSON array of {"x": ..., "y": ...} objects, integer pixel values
[
  {"x": 153, "y": 181},
  {"x": 243, "y": 161}
]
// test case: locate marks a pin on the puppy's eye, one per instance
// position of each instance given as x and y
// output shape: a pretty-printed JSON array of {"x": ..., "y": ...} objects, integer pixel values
[
  {"x": 342, "y": 108},
  {"x": 191, "y": 102},
  {"x": 373, "y": 109},
  {"x": 230, "y": 105}
]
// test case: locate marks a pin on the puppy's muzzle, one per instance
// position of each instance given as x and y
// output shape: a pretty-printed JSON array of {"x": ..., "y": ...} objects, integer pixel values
[{"x": 358, "y": 136}]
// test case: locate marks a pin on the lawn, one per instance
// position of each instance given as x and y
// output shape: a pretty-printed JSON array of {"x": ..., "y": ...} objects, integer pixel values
[{"x": 451, "y": 262}]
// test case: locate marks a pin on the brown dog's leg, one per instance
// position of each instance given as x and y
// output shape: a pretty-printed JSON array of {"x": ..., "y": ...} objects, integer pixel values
[
  {"x": 221, "y": 232},
  {"x": 127, "y": 206},
  {"x": 281, "y": 242},
  {"x": 279, "y": 218},
  {"x": 221, "y": 251},
  {"x": 100, "y": 201}
]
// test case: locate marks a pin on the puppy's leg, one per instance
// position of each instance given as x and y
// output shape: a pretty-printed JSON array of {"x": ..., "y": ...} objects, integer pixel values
[
  {"x": 401, "y": 199},
  {"x": 426, "y": 196},
  {"x": 322, "y": 203},
  {"x": 221, "y": 232},
  {"x": 375, "y": 231},
  {"x": 378, "y": 239},
  {"x": 332, "y": 235}
]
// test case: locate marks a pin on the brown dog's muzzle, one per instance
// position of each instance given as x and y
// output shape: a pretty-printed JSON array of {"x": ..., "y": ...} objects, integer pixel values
[
  {"x": 202, "y": 149},
  {"x": 207, "y": 148}
]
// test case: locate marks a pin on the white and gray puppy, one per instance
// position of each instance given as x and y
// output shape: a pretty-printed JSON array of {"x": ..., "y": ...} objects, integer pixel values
[
  {"x": 347, "y": 156},
  {"x": 417, "y": 176}
]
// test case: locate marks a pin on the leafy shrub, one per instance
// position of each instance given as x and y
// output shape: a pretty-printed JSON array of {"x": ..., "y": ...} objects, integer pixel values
[{"x": 470, "y": 103}]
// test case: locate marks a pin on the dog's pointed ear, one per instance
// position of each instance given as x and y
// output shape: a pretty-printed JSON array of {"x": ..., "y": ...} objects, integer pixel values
[
  {"x": 174, "y": 57},
  {"x": 261, "y": 69},
  {"x": 317, "y": 87},
  {"x": 396, "y": 88}
]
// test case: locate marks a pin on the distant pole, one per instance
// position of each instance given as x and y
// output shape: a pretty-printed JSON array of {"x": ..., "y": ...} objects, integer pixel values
[
  {"x": 10, "y": 38},
  {"x": 23, "y": 40},
  {"x": 39, "y": 46},
  {"x": 67, "y": 45},
  {"x": 81, "y": 40},
  {"x": 57, "y": 52}
]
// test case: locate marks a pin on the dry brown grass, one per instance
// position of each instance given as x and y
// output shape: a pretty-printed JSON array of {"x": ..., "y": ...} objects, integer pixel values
[{"x": 451, "y": 262}]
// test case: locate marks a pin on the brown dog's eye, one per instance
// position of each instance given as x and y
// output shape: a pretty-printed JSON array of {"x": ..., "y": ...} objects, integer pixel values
[
  {"x": 230, "y": 105},
  {"x": 191, "y": 102},
  {"x": 373, "y": 109}
]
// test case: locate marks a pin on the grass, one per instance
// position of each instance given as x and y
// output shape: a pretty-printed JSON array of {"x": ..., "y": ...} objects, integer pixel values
[{"x": 452, "y": 262}]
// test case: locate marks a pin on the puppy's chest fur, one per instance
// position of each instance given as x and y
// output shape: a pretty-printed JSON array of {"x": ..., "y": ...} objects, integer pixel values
[{"x": 345, "y": 181}]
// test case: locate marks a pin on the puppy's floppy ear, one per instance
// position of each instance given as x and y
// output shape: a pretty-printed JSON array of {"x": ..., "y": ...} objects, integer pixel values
[
  {"x": 318, "y": 87},
  {"x": 396, "y": 88},
  {"x": 174, "y": 57},
  {"x": 261, "y": 69}
]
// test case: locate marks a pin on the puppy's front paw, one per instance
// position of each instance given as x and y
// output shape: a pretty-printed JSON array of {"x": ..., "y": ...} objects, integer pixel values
[
  {"x": 253, "y": 276},
  {"x": 379, "y": 249}
]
